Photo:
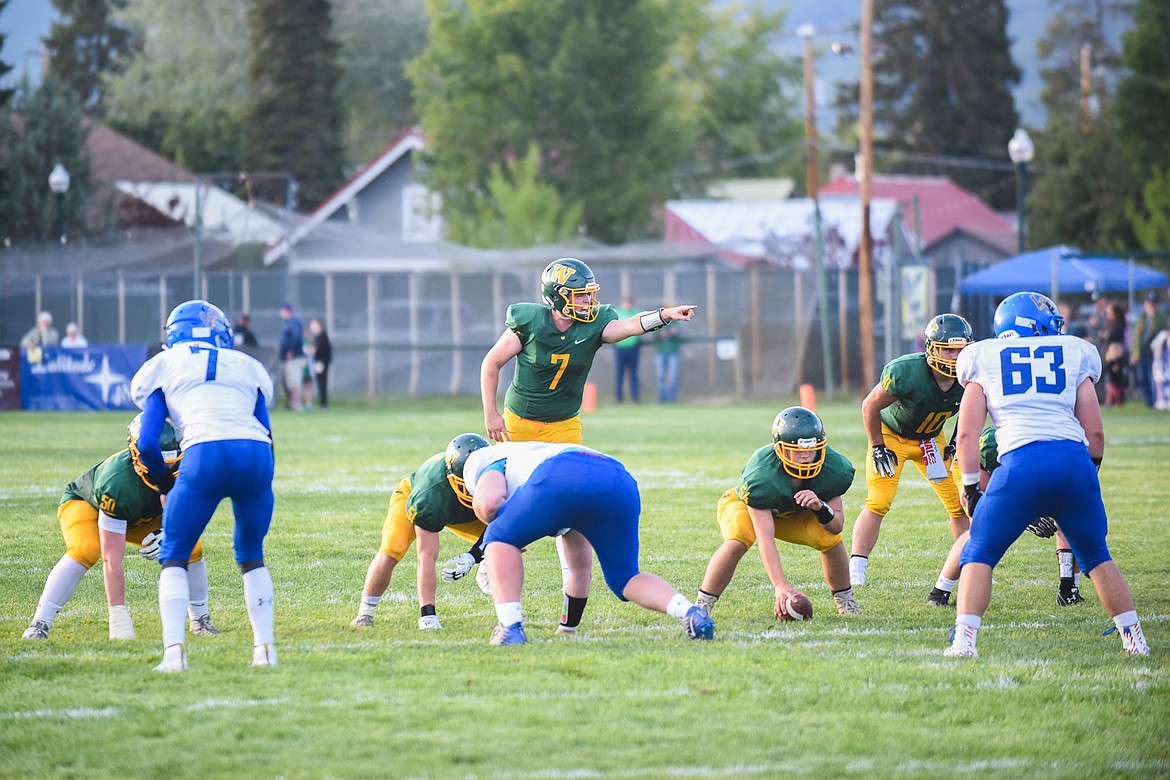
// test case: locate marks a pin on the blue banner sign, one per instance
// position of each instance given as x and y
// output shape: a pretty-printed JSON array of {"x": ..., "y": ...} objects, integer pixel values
[{"x": 94, "y": 378}]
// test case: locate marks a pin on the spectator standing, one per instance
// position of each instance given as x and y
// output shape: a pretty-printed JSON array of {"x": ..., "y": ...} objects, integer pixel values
[
  {"x": 626, "y": 354},
  {"x": 242, "y": 333},
  {"x": 667, "y": 345},
  {"x": 1115, "y": 356},
  {"x": 73, "y": 338},
  {"x": 322, "y": 356},
  {"x": 1149, "y": 324},
  {"x": 292, "y": 355},
  {"x": 41, "y": 335}
]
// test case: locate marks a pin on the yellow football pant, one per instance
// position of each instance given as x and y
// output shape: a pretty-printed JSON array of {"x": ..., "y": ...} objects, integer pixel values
[
  {"x": 79, "y": 526},
  {"x": 560, "y": 432},
  {"x": 881, "y": 490},
  {"x": 398, "y": 532},
  {"x": 801, "y": 528}
]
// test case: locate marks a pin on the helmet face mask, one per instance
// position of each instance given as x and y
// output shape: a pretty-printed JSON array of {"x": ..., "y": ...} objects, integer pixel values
[
  {"x": 564, "y": 280},
  {"x": 1027, "y": 314},
  {"x": 799, "y": 441},
  {"x": 455, "y": 458},
  {"x": 946, "y": 332},
  {"x": 198, "y": 321},
  {"x": 169, "y": 440}
]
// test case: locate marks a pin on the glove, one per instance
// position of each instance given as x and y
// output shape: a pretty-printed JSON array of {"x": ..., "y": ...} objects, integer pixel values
[
  {"x": 427, "y": 622},
  {"x": 121, "y": 625},
  {"x": 151, "y": 545},
  {"x": 457, "y": 568},
  {"x": 884, "y": 460},
  {"x": 973, "y": 494},
  {"x": 949, "y": 452},
  {"x": 1044, "y": 527}
]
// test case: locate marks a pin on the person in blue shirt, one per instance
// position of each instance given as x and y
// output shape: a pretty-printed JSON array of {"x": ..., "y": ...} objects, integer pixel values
[{"x": 292, "y": 356}]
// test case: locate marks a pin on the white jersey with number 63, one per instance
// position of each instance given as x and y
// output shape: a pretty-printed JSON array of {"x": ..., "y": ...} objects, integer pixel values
[{"x": 1031, "y": 385}]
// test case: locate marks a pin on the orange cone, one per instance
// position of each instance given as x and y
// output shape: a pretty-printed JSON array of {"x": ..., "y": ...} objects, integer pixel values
[
  {"x": 589, "y": 398},
  {"x": 808, "y": 397}
]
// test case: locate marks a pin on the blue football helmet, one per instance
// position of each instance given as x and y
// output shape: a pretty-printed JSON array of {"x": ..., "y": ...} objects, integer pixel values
[
  {"x": 198, "y": 321},
  {"x": 1027, "y": 314}
]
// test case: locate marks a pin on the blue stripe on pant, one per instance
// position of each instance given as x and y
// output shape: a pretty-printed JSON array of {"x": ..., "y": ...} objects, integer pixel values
[
  {"x": 240, "y": 470},
  {"x": 1054, "y": 479},
  {"x": 592, "y": 494}
]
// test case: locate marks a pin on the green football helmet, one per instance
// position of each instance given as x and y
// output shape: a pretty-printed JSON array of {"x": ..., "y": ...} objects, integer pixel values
[
  {"x": 796, "y": 431},
  {"x": 169, "y": 440},
  {"x": 564, "y": 278},
  {"x": 456, "y": 458},
  {"x": 946, "y": 331}
]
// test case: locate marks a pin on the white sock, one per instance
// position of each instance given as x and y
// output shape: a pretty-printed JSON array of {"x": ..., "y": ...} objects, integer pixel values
[
  {"x": 509, "y": 613},
  {"x": 678, "y": 606},
  {"x": 174, "y": 591},
  {"x": 59, "y": 588},
  {"x": 197, "y": 581},
  {"x": 969, "y": 620},
  {"x": 564, "y": 564},
  {"x": 1125, "y": 619},
  {"x": 1076, "y": 579},
  {"x": 369, "y": 605},
  {"x": 261, "y": 612},
  {"x": 706, "y": 600},
  {"x": 966, "y": 626},
  {"x": 943, "y": 583}
]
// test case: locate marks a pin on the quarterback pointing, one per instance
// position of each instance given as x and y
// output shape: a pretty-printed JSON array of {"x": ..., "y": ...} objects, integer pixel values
[
  {"x": 218, "y": 398},
  {"x": 434, "y": 497},
  {"x": 904, "y": 416},
  {"x": 1037, "y": 385}
]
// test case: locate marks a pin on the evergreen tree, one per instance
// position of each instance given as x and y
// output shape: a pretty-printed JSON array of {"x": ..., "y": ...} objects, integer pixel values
[
  {"x": 1144, "y": 93},
  {"x": 943, "y": 76},
  {"x": 1075, "y": 23},
  {"x": 1151, "y": 223},
  {"x": 45, "y": 127},
  {"x": 294, "y": 122},
  {"x": 5, "y": 68},
  {"x": 87, "y": 43}
]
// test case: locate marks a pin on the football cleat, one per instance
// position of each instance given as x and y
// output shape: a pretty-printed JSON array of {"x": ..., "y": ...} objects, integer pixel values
[
  {"x": 563, "y": 630},
  {"x": 264, "y": 655},
  {"x": 174, "y": 661},
  {"x": 202, "y": 625},
  {"x": 1133, "y": 641},
  {"x": 481, "y": 579},
  {"x": 429, "y": 623},
  {"x": 1069, "y": 597},
  {"x": 509, "y": 635},
  {"x": 362, "y": 621},
  {"x": 939, "y": 598},
  {"x": 698, "y": 624},
  {"x": 38, "y": 629},
  {"x": 963, "y": 644},
  {"x": 847, "y": 605}
]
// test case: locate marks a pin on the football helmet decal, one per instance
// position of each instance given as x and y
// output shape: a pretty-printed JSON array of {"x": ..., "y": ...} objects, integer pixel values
[
  {"x": 198, "y": 321},
  {"x": 1027, "y": 314},
  {"x": 796, "y": 431},
  {"x": 946, "y": 331},
  {"x": 169, "y": 441},
  {"x": 564, "y": 278},
  {"x": 456, "y": 458}
]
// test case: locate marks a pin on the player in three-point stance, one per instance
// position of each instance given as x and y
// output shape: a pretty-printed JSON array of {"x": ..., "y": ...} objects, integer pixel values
[
  {"x": 789, "y": 491},
  {"x": 529, "y": 490},
  {"x": 218, "y": 398},
  {"x": 904, "y": 416},
  {"x": 554, "y": 344},
  {"x": 434, "y": 497},
  {"x": 1037, "y": 385}
]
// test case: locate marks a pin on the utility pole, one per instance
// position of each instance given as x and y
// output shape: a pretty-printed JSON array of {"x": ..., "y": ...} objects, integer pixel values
[{"x": 865, "y": 253}]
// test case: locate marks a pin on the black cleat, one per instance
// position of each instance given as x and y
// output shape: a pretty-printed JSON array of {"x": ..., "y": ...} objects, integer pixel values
[
  {"x": 1069, "y": 597},
  {"x": 939, "y": 598}
]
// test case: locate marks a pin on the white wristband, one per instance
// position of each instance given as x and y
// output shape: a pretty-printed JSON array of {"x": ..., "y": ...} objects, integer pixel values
[
  {"x": 970, "y": 479},
  {"x": 652, "y": 320}
]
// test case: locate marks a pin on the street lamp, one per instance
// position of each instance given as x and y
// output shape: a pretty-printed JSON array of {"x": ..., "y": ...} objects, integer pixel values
[
  {"x": 59, "y": 184},
  {"x": 1021, "y": 151}
]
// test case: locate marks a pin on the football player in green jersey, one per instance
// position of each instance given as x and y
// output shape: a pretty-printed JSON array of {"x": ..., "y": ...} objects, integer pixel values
[
  {"x": 904, "y": 416},
  {"x": 1044, "y": 527},
  {"x": 434, "y": 497},
  {"x": 114, "y": 503},
  {"x": 790, "y": 490},
  {"x": 554, "y": 344}
]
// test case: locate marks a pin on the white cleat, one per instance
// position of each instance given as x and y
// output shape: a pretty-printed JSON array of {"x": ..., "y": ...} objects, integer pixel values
[
  {"x": 362, "y": 621},
  {"x": 202, "y": 625},
  {"x": 481, "y": 579},
  {"x": 963, "y": 645},
  {"x": 847, "y": 605},
  {"x": 38, "y": 629},
  {"x": 1133, "y": 641},
  {"x": 174, "y": 660},
  {"x": 264, "y": 655}
]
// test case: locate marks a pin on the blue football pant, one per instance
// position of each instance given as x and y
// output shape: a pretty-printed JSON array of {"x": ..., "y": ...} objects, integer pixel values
[{"x": 591, "y": 494}]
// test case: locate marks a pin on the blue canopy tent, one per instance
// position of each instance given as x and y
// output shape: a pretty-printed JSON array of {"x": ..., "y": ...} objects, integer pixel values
[{"x": 1061, "y": 269}]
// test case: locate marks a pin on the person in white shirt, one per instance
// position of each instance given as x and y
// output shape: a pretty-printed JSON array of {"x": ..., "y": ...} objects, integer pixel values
[
  {"x": 1037, "y": 385},
  {"x": 218, "y": 398},
  {"x": 73, "y": 338},
  {"x": 529, "y": 490}
]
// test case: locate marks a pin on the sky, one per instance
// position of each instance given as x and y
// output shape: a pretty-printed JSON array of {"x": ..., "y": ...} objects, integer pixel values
[{"x": 26, "y": 21}]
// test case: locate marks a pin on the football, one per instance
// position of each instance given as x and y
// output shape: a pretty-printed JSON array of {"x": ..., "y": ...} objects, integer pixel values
[{"x": 799, "y": 608}]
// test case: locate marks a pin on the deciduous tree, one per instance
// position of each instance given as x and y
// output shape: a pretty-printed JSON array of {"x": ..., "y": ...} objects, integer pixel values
[{"x": 88, "y": 42}]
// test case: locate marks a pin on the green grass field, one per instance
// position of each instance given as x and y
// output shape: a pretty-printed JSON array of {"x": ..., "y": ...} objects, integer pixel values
[{"x": 629, "y": 697}]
